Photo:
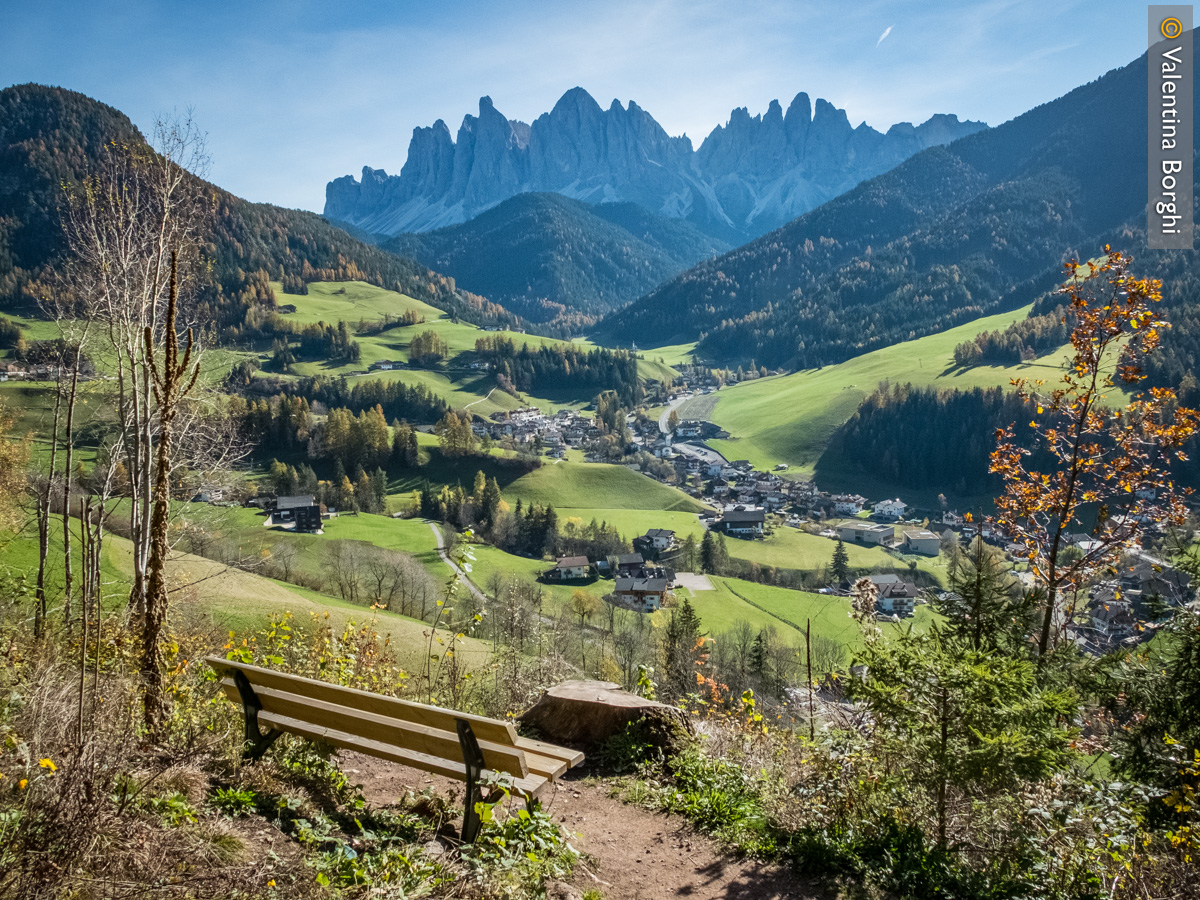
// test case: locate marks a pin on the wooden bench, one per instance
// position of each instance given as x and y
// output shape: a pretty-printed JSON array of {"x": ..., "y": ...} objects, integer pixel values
[{"x": 442, "y": 741}]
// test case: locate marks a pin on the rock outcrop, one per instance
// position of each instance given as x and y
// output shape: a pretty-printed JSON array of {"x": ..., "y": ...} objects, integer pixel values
[{"x": 749, "y": 176}]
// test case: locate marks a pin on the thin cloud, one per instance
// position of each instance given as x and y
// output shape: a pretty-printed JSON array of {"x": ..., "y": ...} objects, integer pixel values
[{"x": 886, "y": 32}]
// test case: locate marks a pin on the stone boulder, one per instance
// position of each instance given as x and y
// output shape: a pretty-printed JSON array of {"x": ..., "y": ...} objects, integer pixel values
[{"x": 587, "y": 713}]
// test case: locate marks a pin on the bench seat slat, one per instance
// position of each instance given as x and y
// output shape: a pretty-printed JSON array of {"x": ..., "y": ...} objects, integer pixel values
[
  {"x": 485, "y": 729},
  {"x": 571, "y": 757},
  {"x": 448, "y": 768},
  {"x": 396, "y": 732},
  {"x": 546, "y": 766}
]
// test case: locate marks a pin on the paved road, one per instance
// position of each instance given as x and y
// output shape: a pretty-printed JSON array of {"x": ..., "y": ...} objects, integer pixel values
[
  {"x": 462, "y": 576},
  {"x": 666, "y": 414}
]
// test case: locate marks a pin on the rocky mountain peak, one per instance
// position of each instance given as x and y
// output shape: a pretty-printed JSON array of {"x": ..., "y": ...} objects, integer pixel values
[{"x": 749, "y": 175}]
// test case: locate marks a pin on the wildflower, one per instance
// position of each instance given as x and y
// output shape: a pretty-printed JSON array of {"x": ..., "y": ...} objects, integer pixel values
[
  {"x": 22, "y": 784},
  {"x": 271, "y": 883},
  {"x": 48, "y": 764}
]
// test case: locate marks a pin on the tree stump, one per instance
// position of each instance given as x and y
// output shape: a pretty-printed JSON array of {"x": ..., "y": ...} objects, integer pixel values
[{"x": 587, "y": 713}]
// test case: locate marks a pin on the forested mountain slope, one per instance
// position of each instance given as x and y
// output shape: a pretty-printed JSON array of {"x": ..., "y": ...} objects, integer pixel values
[
  {"x": 50, "y": 136},
  {"x": 557, "y": 262},
  {"x": 954, "y": 233}
]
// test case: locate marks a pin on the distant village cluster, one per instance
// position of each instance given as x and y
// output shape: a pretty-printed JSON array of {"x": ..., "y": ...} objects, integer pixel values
[
  {"x": 530, "y": 427},
  {"x": 748, "y": 503}
]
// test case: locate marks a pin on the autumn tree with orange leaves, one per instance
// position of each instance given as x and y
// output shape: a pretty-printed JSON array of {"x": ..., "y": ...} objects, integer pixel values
[{"x": 1106, "y": 457}]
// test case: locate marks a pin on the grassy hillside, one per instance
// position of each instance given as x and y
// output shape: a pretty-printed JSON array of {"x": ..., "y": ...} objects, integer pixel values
[
  {"x": 789, "y": 418},
  {"x": 790, "y": 548},
  {"x": 596, "y": 485},
  {"x": 247, "y": 528},
  {"x": 453, "y": 380},
  {"x": 763, "y": 606},
  {"x": 212, "y": 595}
]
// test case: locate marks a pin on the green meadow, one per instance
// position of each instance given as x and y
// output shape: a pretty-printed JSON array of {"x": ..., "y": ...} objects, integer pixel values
[
  {"x": 597, "y": 486},
  {"x": 790, "y": 418},
  {"x": 210, "y": 595},
  {"x": 461, "y": 387}
]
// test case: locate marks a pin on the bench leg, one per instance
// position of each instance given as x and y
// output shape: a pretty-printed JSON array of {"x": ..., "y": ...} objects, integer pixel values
[
  {"x": 473, "y": 758},
  {"x": 257, "y": 743}
]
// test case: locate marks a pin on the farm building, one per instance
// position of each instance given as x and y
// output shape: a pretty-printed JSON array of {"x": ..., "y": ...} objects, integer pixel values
[
  {"x": 921, "y": 541},
  {"x": 867, "y": 533}
]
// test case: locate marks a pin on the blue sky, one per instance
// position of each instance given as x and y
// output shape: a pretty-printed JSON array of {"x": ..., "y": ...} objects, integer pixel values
[{"x": 293, "y": 94}]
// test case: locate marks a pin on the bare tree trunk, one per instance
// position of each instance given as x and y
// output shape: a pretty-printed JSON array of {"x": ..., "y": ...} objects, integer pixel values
[
  {"x": 812, "y": 722},
  {"x": 84, "y": 600},
  {"x": 43, "y": 516},
  {"x": 72, "y": 393},
  {"x": 172, "y": 384}
]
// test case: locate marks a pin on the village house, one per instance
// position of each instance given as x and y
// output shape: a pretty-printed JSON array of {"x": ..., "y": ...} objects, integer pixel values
[
  {"x": 629, "y": 564},
  {"x": 920, "y": 541},
  {"x": 645, "y": 594},
  {"x": 891, "y": 509},
  {"x": 570, "y": 568},
  {"x": 1111, "y": 615},
  {"x": 867, "y": 534},
  {"x": 746, "y": 496},
  {"x": 1147, "y": 579},
  {"x": 383, "y": 365},
  {"x": 896, "y": 596},
  {"x": 986, "y": 531},
  {"x": 654, "y": 541},
  {"x": 741, "y": 522},
  {"x": 301, "y": 512},
  {"x": 952, "y": 518},
  {"x": 848, "y": 504},
  {"x": 688, "y": 429},
  {"x": 773, "y": 501}
]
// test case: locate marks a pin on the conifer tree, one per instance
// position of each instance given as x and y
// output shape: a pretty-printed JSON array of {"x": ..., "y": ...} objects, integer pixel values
[
  {"x": 708, "y": 562},
  {"x": 985, "y": 605},
  {"x": 489, "y": 508},
  {"x": 681, "y": 650},
  {"x": 840, "y": 564},
  {"x": 689, "y": 554}
]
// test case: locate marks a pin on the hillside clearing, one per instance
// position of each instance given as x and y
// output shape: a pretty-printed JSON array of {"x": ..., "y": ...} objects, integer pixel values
[
  {"x": 597, "y": 486},
  {"x": 790, "y": 418}
]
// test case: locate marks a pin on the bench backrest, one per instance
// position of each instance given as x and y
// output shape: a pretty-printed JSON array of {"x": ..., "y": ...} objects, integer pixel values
[{"x": 411, "y": 733}]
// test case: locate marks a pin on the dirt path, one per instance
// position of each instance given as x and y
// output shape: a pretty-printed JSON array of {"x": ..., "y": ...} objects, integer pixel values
[
  {"x": 634, "y": 854},
  {"x": 480, "y": 400},
  {"x": 629, "y": 852},
  {"x": 462, "y": 576}
]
